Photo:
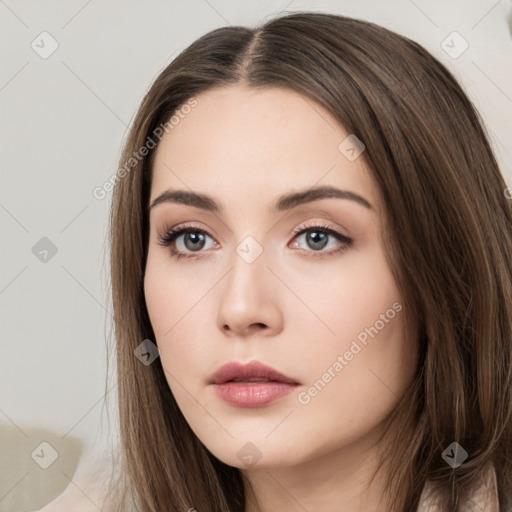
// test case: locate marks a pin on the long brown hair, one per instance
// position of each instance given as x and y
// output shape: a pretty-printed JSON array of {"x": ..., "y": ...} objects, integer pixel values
[{"x": 448, "y": 242}]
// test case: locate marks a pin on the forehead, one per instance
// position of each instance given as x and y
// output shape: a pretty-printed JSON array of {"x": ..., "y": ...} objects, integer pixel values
[{"x": 239, "y": 143}]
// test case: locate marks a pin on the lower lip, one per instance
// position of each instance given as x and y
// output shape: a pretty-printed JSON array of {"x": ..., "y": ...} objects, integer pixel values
[{"x": 252, "y": 394}]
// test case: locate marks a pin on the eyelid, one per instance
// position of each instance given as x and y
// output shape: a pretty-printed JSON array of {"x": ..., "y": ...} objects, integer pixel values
[{"x": 310, "y": 224}]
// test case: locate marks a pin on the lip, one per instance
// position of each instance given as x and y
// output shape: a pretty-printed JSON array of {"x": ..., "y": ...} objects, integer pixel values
[
  {"x": 252, "y": 370},
  {"x": 248, "y": 391}
]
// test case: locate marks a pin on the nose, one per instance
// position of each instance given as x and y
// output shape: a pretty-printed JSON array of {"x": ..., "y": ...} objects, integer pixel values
[{"x": 249, "y": 299}]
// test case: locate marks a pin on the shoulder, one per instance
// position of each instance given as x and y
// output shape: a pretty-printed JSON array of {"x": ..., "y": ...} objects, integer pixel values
[{"x": 483, "y": 497}]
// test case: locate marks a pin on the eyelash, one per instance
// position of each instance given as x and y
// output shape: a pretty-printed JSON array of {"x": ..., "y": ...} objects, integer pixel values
[{"x": 168, "y": 239}]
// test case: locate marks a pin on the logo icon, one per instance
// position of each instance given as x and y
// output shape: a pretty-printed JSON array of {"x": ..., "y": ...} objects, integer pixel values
[
  {"x": 146, "y": 352},
  {"x": 351, "y": 147},
  {"x": 44, "y": 45},
  {"x": 249, "y": 249},
  {"x": 45, "y": 455},
  {"x": 455, "y": 455},
  {"x": 454, "y": 45},
  {"x": 44, "y": 250},
  {"x": 249, "y": 454}
]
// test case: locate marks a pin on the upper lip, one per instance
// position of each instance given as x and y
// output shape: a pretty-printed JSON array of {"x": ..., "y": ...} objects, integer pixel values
[{"x": 236, "y": 370}]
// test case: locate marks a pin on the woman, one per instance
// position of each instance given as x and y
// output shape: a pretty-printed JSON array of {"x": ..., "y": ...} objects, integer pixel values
[{"x": 310, "y": 225}]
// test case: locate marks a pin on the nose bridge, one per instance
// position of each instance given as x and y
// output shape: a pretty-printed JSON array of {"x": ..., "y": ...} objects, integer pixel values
[
  {"x": 249, "y": 267},
  {"x": 246, "y": 298},
  {"x": 249, "y": 250}
]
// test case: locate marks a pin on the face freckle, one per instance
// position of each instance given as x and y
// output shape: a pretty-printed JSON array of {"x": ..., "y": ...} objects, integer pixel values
[{"x": 334, "y": 324}]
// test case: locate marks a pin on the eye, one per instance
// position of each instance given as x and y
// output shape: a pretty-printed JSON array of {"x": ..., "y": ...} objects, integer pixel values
[
  {"x": 194, "y": 240},
  {"x": 317, "y": 238}
]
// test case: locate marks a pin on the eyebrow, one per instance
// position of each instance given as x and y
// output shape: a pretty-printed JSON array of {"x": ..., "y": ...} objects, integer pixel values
[{"x": 285, "y": 202}]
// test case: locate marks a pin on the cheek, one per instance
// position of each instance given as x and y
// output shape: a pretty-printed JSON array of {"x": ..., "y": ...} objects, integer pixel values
[
  {"x": 344, "y": 297},
  {"x": 177, "y": 311},
  {"x": 169, "y": 293},
  {"x": 366, "y": 364},
  {"x": 176, "y": 308}
]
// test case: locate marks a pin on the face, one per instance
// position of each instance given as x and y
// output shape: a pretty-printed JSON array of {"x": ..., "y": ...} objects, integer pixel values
[{"x": 301, "y": 286}]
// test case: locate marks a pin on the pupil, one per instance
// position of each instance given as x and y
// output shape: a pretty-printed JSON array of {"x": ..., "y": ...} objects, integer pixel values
[
  {"x": 313, "y": 237},
  {"x": 197, "y": 236}
]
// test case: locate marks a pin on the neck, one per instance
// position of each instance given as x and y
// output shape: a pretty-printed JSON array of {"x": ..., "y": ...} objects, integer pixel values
[{"x": 339, "y": 479}]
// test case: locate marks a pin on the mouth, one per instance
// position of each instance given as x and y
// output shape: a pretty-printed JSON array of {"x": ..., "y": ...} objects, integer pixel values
[
  {"x": 251, "y": 385},
  {"x": 253, "y": 379}
]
